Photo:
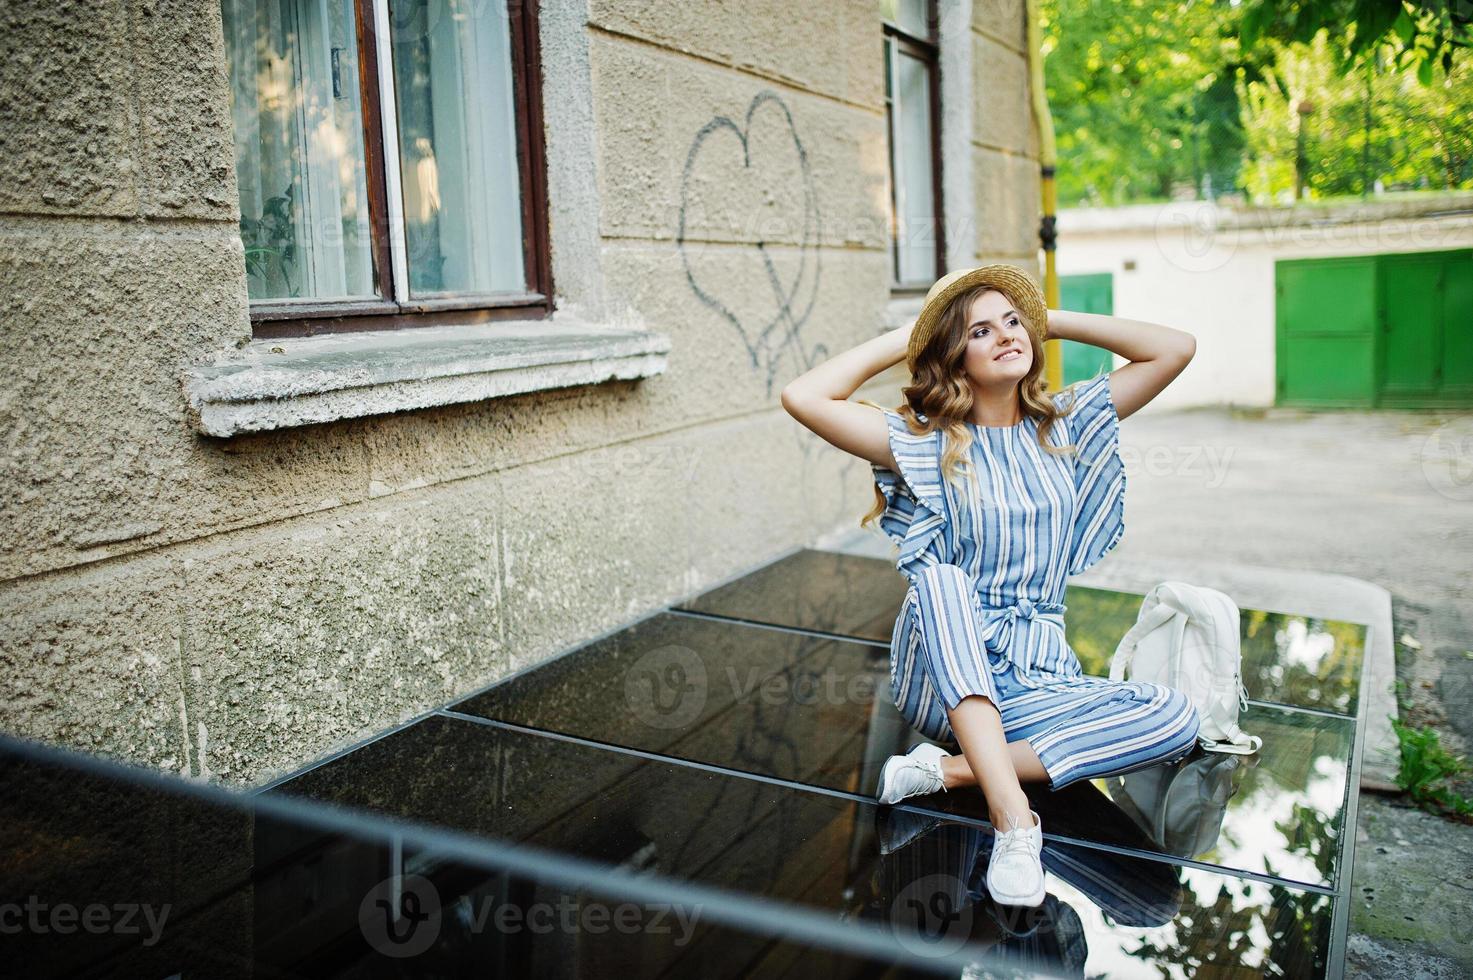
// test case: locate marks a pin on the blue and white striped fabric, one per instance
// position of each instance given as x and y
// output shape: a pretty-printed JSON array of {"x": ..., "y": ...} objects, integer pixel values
[{"x": 988, "y": 562}]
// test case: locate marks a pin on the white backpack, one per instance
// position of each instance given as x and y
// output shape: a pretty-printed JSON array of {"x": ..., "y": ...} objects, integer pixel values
[{"x": 1187, "y": 637}]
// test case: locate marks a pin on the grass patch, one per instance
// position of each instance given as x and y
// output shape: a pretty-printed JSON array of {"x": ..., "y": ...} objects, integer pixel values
[{"x": 1427, "y": 769}]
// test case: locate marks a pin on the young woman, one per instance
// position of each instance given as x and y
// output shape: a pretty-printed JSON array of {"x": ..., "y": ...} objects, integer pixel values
[{"x": 995, "y": 492}]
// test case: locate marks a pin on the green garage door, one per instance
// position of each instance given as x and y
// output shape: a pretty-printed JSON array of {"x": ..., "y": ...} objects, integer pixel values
[
  {"x": 1086, "y": 294},
  {"x": 1374, "y": 331}
]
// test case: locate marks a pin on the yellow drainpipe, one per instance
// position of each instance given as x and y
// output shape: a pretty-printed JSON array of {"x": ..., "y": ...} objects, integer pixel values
[{"x": 1043, "y": 123}]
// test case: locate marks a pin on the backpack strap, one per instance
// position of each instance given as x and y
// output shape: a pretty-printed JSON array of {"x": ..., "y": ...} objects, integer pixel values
[
  {"x": 1159, "y": 613},
  {"x": 1237, "y": 743}
]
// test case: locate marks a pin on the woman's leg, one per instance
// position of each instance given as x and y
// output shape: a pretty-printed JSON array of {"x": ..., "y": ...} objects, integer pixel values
[
  {"x": 955, "y": 771},
  {"x": 978, "y": 728},
  {"x": 1100, "y": 727},
  {"x": 1097, "y": 730},
  {"x": 955, "y": 662}
]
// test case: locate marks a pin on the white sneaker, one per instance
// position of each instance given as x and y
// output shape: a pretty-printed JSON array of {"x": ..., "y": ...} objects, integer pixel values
[
  {"x": 912, "y": 774},
  {"x": 1015, "y": 870}
]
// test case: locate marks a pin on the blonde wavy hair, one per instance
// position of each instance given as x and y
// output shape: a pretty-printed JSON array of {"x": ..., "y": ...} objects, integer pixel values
[{"x": 939, "y": 391}]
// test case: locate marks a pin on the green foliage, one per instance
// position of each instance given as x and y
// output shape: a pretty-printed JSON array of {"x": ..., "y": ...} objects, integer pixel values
[
  {"x": 271, "y": 247},
  {"x": 1426, "y": 767},
  {"x": 1142, "y": 97},
  {"x": 1335, "y": 134},
  {"x": 1426, "y": 32},
  {"x": 1153, "y": 100}
]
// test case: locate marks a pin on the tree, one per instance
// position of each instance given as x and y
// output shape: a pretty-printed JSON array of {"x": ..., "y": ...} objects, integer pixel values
[
  {"x": 1429, "y": 31},
  {"x": 1304, "y": 123},
  {"x": 1150, "y": 96},
  {"x": 1143, "y": 97}
]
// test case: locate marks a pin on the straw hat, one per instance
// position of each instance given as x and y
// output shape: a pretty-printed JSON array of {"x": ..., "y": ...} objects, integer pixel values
[{"x": 1017, "y": 284}]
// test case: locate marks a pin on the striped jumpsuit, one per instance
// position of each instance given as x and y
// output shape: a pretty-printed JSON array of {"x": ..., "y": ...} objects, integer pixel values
[{"x": 987, "y": 562}]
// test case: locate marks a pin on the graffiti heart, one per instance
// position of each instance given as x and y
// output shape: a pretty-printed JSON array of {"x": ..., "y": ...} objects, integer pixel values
[{"x": 752, "y": 181}]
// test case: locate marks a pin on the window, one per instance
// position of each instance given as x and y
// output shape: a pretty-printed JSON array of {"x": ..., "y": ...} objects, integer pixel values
[
  {"x": 911, "y": 113},
  {"x": 389, "y": 158}
]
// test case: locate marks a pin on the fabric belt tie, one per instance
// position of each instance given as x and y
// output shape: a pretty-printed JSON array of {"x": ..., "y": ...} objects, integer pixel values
[{"x": 1000, "y": 626}]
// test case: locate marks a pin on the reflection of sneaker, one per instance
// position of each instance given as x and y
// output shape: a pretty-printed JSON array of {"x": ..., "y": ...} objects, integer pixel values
[
  {"x": 897, "y": 828},
  {"x": 912, "y": 774},
  {"x": 1015, "y": 872},
  {"x": 1017, "y": 922}
]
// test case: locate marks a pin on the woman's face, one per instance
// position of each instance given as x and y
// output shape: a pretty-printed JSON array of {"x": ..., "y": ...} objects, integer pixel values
[{"x": 994, "y": 329}]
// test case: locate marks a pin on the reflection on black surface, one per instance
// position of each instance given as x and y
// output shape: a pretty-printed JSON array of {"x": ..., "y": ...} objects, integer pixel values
[
  {"x": 96, "y": 874},
  {"x": 238, "y": 893},
  {"x": 242, "y": 893},
  {"x": 1294, "y": 660},
  {"x": 847, "y": 595},
  {"x": 1180, "y": 807},
  {"x": 818, "y": 712},
  {"x": 1164, "y": 920},
  {"x": 763, "y": 701},
  {"x": 914, "y": 872},
  {"x": 1246, "y": 813}
]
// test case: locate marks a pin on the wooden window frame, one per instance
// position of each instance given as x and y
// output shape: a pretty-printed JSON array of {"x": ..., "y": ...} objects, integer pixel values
[
  {"x": 275, "y": 318},
  {"x": 928, "y": 50}
]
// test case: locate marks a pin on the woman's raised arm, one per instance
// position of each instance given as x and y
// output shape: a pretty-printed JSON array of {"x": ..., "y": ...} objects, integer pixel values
[
  {"x": 819, "y": 398},
  {"x": 1157, "y": 353}
]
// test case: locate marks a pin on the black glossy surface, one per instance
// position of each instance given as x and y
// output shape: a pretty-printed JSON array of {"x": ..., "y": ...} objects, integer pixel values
[
  {"x": 1287, "y": 659},
  {"x": 825, "y": 591},
  {"x": 170, "y": 880},
  {"x": 487, "y": 922},
  {"x": 765, "y": 701},
  {"x": 814, "y": 711},
  {"x": 915, "y": 874},
  {"x": 732, "y": 764},
  {"x": 1284, "y": 809},
  {"x": 181, "y": 887}
]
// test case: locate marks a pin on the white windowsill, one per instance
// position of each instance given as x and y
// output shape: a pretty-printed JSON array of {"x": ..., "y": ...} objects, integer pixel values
[{"x": 277, "y": 384}]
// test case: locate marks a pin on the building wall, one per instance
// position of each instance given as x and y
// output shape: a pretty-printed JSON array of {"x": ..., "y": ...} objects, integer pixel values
[
  {"x": 1209, "y": 270},
  {"x": 233, "y": 608}
]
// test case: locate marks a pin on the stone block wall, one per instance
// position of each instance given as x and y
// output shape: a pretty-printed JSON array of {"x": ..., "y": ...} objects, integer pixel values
[{"x": 230, "y": 609}]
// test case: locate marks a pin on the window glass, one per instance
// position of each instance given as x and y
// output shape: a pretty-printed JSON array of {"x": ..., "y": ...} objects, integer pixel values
[
  {"x": 457, "y": 146},
  {"x": 915, "y": 200},
  {"x": 908, "y": 15},
  {"x": 295, "y": 102}
]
